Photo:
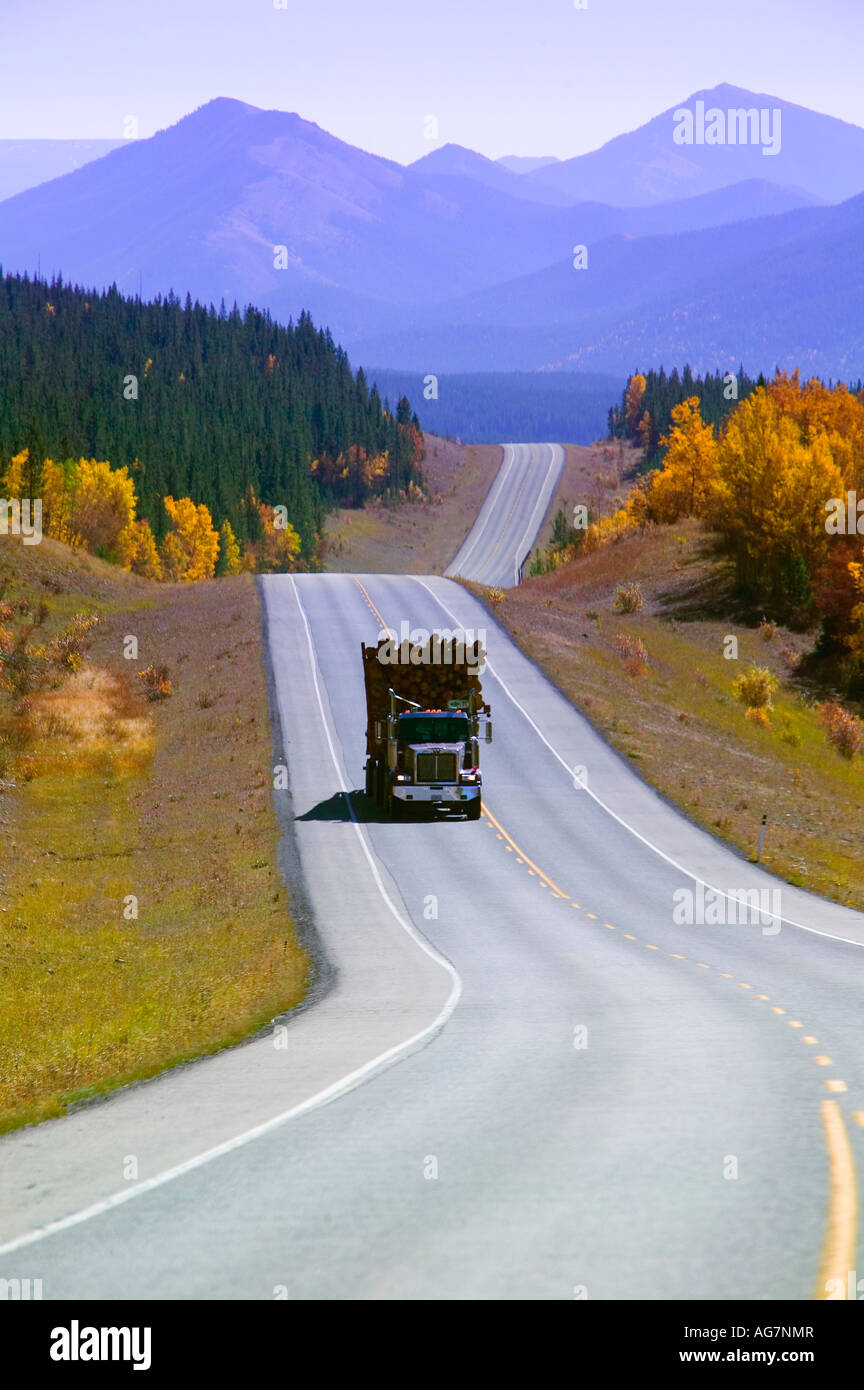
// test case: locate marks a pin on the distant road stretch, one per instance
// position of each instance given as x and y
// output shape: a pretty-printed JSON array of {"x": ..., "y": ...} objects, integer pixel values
[{"x": 511, "y": 517}]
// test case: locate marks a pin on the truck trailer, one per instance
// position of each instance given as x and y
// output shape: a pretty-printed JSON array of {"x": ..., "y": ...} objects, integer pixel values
[{"x": 424, "y": 713}]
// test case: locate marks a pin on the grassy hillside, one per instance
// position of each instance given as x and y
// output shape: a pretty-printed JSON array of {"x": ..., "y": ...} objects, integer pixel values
[
  {"x": 672, "y": 710},
  {"x": 122, "y": 796}
]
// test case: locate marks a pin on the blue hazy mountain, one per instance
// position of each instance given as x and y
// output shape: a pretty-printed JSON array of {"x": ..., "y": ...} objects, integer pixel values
[
  {"x": 453, "y": 263},
  {"x": 26, "y": 163}
]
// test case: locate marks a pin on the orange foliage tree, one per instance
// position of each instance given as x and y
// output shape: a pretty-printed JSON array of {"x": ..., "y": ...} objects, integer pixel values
[{"x": 191, "y": 547}]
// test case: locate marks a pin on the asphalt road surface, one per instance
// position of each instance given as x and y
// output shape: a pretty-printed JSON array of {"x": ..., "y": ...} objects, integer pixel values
[
  {"x": 526, "y": 1079},
  {"x": 511, "y": 516}
]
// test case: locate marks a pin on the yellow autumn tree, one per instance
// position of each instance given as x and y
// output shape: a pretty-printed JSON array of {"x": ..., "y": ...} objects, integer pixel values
[
  {"x": 854, "y": 639},
  {"x": 686, "y": 484},
  {"x": 102, "y": 505},
  {"x": 137, "y": 550},
  {"x": 273, "y": 545},
  {"x": 22, "y": 478},
  {"x": 191, "y": 547},
  {"x": 58, "y": 490},
  {"x": 230, "y": 560},
  {"x": 771, "y": 490},
  {"x": 835, "y": 412},
  {"x": 633, "y": 401}
]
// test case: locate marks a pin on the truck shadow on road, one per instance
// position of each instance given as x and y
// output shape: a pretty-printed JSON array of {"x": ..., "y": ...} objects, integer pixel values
[{"x": 340, "y": 806}]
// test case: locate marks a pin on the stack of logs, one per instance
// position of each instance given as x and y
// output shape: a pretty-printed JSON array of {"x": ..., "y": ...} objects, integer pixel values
[{"x": 424, "y": 674}]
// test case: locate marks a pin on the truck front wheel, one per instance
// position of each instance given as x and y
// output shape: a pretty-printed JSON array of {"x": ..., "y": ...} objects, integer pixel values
[{"x": 475, "y": 809}]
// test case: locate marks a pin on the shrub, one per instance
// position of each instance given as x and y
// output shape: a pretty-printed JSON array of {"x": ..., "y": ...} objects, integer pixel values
[
  {"x": 633, "y": 653},
  {"x": 767, "y": 630},
  {"x": 628, "y": 598},
  {"x": 496, "y": 595},
  {"x": 844, "y": 730},
  {"x": 755, "y": 688},
  {"x": 156, "y": 682},
  {"x": 67, "y": 647},
  {"x": 757, "y": 714}
]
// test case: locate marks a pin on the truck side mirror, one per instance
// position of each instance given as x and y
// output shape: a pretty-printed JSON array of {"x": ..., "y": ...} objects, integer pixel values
[{"x": 488, "y": 730}]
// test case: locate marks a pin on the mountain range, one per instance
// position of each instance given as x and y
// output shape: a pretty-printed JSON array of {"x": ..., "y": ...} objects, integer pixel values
[{"x": 707, "y": 253}]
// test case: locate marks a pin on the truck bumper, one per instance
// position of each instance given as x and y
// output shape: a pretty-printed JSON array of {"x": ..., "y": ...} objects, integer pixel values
[{"x": 435, "y": 795}]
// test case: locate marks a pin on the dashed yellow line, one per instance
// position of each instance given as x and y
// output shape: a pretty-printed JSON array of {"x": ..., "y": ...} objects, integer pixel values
[
  {"x": 523, "y": 857},
  {"x": 382, "y": 620},
  {"x": 839, "y": 1250}
]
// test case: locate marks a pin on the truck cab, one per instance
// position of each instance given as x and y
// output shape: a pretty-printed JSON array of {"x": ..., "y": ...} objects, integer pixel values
[{"x": 436, "y": 761}]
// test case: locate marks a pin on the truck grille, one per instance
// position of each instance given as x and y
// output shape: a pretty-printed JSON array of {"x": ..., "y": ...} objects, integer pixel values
[{"x": 436, "y": 767}]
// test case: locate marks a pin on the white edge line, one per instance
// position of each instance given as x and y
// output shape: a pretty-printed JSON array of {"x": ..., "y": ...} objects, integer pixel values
[
  {"x": 482, "y": 522},
  {"x": 655, "y": 849},
  {"x": 518, "y": 563},
  {"x": 332, "y": 1092}
]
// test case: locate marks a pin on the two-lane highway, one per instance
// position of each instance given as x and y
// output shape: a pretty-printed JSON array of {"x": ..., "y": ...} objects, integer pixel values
[
  {"x": 548, "y": 1086},
  {"x": 509, "y": 521}
]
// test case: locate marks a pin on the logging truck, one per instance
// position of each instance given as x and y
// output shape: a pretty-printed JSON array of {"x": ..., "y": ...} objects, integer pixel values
[{"x": 424, "y": 713}]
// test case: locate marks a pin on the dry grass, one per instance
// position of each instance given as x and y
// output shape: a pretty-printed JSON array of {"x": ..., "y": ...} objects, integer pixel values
[
  {"x": 117, "y": 807},
  {"x": 596, "y": 476},
  {"x": 680, "y": 722},
  {"x": 417, "y": 537}
]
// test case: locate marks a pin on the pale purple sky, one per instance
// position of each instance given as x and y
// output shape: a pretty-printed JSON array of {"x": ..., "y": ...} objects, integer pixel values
[{"x": 501, "y": 76}]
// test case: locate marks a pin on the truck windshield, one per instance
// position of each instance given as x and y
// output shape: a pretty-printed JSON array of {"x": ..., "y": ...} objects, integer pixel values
[{"x": 433, "y": 728}]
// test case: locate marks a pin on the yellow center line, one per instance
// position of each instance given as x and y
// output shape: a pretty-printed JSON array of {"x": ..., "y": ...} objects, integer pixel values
[
  {"x": 839, "y": 1250},
  {"x": 365, "y": 593},
  {"x": 511, "y": 843}
]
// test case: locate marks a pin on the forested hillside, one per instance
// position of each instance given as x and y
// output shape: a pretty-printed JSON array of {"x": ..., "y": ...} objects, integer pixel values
[
  {"x": 520, "y": 407},
  {"x": 648, "y": 400},
  {"x": 198, "y": 403}
]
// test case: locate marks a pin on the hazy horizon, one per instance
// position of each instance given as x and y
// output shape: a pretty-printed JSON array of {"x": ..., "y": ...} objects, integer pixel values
[{"x": 498, "y": 79}]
